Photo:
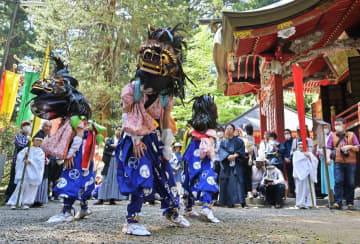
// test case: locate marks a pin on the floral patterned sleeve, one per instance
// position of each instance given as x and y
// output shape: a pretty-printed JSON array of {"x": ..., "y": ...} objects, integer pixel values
[
  {"x": 127, "y": 96},
  {"x": 137, "y": 122}
]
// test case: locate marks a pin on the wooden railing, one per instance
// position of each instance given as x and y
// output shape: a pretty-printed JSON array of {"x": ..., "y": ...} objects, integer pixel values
[{"x": 351, "y": 116}]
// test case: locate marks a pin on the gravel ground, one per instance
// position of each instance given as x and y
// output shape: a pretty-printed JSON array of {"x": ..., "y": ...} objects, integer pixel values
[{"x": 254, "y": 225}]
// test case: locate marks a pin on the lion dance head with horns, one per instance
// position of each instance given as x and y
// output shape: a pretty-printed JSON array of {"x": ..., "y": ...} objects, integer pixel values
[{"x": 160, "y": 62}]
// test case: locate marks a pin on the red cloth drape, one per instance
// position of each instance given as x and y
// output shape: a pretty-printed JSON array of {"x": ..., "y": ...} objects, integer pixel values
[
  {"x": 89, "y": 150},
  {"x": 299, "y": 93}
]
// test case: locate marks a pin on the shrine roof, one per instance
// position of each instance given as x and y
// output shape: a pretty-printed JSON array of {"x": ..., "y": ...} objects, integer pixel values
[{"x": 299, "y": 27}]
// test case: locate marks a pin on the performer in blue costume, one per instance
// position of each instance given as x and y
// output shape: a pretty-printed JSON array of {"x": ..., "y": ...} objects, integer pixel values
[
  {"x": 77, "y": 180},
  {"x": 200, "y": 177},
  {"x": 144, "y": 152},
  {"x": 74, "y": 141}
]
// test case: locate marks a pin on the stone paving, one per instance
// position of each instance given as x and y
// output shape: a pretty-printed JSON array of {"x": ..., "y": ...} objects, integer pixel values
[{"x": 253, "y": 225}]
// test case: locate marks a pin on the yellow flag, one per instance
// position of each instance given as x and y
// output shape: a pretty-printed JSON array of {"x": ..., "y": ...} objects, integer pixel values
[
  {"x": 11, "y": 85},
  {"x": 44, "y": 74},
  {"x": 46, "y": 67}
]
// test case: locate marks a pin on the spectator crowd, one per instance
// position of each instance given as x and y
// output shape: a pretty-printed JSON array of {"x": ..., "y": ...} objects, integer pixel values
[{"x": 271, "y": 170}]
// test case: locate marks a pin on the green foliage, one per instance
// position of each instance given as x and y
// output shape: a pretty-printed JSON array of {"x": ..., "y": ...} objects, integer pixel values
[
  {"x": 23, "y": 34},
  {"x": 200, "y": 67},
  {"x": 7, "y": 135},
  {"x": 309, "y": 99},
  {"x": 249, "y": 4},
  {"x": 100, "y": 40}
]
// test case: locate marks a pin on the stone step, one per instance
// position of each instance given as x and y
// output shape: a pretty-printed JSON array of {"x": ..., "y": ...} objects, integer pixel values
[{"x": 290, "y": 202}]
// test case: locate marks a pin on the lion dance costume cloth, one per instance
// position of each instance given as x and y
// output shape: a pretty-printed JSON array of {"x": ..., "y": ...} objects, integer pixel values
[
  {"x": 199, "y": 175},
  {"x": 147, "y": 102},
  {"x": 74, "y": 141}
]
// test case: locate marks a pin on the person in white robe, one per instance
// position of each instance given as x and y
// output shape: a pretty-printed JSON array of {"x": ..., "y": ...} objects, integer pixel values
[
  {"x": 33, "y": 174},
  {"x": 305, "y": 164}
]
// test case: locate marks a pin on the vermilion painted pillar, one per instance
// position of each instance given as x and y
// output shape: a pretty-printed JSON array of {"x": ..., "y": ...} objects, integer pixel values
[
  {"x": 279, "y": 107},
  {"x": 263, "y": 124}
]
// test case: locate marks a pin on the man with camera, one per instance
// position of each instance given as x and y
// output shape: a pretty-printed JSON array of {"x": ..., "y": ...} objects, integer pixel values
[
  {"x": 342, "y": 148},
  {"x": 273, "y": 185}
]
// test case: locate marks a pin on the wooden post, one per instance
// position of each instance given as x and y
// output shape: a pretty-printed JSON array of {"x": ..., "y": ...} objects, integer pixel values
[
  {"x": 358, "y": 116},
  {"x": 2, "y": 165},
  {"x": 24, "y": 169},
  {"x": 333, "y": 114},
  {"x": 263, "y": 125},
  {"x": 279, "y": 108},
  {"x": 330, "y": 191}
]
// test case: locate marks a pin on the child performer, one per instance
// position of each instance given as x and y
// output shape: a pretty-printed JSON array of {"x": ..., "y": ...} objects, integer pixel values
[
  {"x": 33, "y": 173},
  {"x": 200, "y": 177}
]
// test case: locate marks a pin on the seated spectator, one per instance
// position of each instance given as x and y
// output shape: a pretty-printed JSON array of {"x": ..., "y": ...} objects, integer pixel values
[
  {"x": 258, "y": 170},
  {"x": 273, "y": 155},
  {"x": 273, "y": 186},
  {"x": 305, "y": 165}
]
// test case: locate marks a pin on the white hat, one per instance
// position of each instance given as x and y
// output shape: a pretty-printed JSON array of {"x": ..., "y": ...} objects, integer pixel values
[{"x": 177, "y": 144}]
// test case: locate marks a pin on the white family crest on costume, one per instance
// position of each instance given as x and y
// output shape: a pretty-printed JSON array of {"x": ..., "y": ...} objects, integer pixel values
[
  {"x": 197, "y": 153},
  {"x": 74, "y": 174},
  {"x": 89, "y": 182},
  {"x": 197, "y": 165},
  {"x": 144, "y": 171},
  {"x": 174, "y": 191},
  {"x": 205, "y": 173},
  {"x": 63, "y": 195},
  {"x": 211, "y": 180},
  {"x": 133, "y": 162},
  {"x": 61, "y": 183},
  {"x": 147, "y": 191},
  {"x": 183, "y": 178}
]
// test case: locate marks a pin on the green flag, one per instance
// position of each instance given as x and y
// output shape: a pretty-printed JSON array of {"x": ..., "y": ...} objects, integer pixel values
[{"x": 24, "y": 111}]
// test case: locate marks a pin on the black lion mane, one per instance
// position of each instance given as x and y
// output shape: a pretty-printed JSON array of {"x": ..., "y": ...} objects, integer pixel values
[{"x": 204, "y": 113}]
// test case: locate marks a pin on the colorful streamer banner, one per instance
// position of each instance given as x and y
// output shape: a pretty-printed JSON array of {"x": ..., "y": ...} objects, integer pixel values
[
  {"x": 24, "y": 110},
  {"x": 9, "y": 89},
  {"x": 2, "y": 87},
  {"x": 44, "y": 74},
  {"x": 299, "y": 94}
]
